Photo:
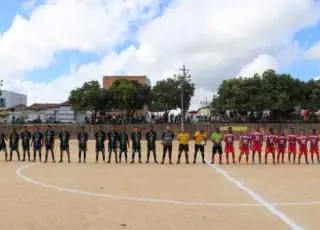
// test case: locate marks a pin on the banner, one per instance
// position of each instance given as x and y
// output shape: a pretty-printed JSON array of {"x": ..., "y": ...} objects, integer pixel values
[{"x": 234, "y": 128}]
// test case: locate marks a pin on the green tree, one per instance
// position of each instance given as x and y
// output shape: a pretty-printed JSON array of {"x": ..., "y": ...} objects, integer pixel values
[
  {"x": 90, "y": 97},
  {"x": 129, "y": 95},
  {"x": 166, "y": 94},
  {"x": 278, "y": 92}
]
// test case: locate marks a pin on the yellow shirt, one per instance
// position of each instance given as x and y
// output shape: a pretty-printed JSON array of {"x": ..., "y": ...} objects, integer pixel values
[
  {"x": 183, "y": 138},
  {"x": 199, "y": 137}
]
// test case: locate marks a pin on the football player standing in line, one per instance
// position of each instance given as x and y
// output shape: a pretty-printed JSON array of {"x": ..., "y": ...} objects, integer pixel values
[
  {"x": 183, "y": 138},
  {"x": 49, "y": 142},
  {"x": 100, "y": 137},
  {"x": 14, "y": 144},
  {"x": 200, "y": 138},
  {"x": 112, "y": 145},
  {"x": 64, "y": 137},
  {"x": 136, "y": 144},
  {"x": 25, "y": 137},
  {"x": 83, "y": 140},
  {"x": 37, "y": 143},
  {"x": 3, "y": 145},
  {"x": 167, "y": 139},
  {"x": 216, "y": 139},
  {"x": 229, "y": 148},
  {"x": 151, "y": 137},
  {"x": 123, "y": 145}
]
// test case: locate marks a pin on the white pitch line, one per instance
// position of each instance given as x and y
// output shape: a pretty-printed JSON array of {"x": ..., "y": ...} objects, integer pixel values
[
  {"x": 150, "y": 200},
  {"x": 257, "y": 198}
]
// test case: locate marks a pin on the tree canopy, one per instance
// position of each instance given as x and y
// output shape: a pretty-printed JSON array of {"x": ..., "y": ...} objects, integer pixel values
[
  {"x": 279, "y": 93},
  {"x": 130, "y": 96},
  {"x": 166, "y": 94}
]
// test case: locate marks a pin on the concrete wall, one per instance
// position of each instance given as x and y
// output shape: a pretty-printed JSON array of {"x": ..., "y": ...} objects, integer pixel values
[
  {"x": 74, "y": 128},
  {"x": 12, "y": 98}
]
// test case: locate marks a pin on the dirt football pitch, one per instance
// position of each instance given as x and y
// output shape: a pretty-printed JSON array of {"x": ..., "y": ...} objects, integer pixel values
[{"x": 157, "y": 197}]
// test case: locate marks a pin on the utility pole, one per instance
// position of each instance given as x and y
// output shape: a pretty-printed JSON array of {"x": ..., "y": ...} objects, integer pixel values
[{"x": 183, "y": 78}]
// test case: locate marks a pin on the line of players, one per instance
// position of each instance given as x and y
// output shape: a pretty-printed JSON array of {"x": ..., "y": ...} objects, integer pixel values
[
  {"x": 278, "y": 145},
  {"x": 118, "y": 144},
  {"x": 117, "y": 141}
]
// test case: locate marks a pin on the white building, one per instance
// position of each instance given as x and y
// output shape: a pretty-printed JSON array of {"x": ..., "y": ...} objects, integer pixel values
[{"x": 10, "y": 99}]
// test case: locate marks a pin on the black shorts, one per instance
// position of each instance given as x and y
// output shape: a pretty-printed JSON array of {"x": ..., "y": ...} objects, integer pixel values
[
  {"x": 112, "y": 149},
  {"x": 37, "y": 148},
  {"x": 3, "y": 148},
  {"x": 64, "y": 148},
  {"x": 100, "y": 149},
  {"x": 136, "y": 150},
  {"x": 49, "y": 147},
  {"x": 151, "y": 148},
  {"x": 183, "y": 148},
  {"x": 199, "y": 148},
  {"x": 217, "y": 149}
]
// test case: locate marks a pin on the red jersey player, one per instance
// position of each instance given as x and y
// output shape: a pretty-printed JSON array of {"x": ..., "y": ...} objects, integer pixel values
[
  {"x": 256, "y": 144},
  {"x": 314, "y": 147},
  {"x": 229, "y": 147},
  {"x": 292, "y": 146},
  {"x": 303, "y": 148},
  {"x": 281, "y": 144},
  {"x": 270, "y": 146},
  {"x": 244, "y": 146}
]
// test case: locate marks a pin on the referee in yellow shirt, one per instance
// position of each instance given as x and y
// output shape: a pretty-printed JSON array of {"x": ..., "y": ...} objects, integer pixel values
[
  {"x": 183, "y": 138},
  {"x": 200, "y": 139}
]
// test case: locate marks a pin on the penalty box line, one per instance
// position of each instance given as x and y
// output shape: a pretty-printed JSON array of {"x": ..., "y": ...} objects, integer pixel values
[{"x": 291, "y": 223}]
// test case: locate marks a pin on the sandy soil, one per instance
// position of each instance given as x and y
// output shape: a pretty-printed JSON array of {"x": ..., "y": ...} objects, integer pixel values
[{"x": 28, "y": 206}]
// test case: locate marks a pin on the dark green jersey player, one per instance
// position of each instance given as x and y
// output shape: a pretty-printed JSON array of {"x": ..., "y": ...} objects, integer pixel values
[
  {"x": 25, "y": 138},
  {"x": 112, "y": 145},
  {"x": 37, "y": 143},
  {"x": 123, "y": 139},
  {"x": 83, "y": 140},
  {"x": 14, "y": 143},
  {"x": 49, "y": 139},
  {"x": 3, "y": 145},
  {"x": 151, "y": 137},
  {"x": 64, "y": 137},
  {"x": 136, "y": 144},
  {"x": 100, "y": 138}
]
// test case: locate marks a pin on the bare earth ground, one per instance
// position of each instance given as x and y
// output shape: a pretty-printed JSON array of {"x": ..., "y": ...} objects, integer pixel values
[{"x": 151, "y": 197}]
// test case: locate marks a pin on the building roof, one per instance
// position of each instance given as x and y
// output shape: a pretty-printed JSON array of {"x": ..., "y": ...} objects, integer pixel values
[
  {"x": 16, "y": 107},
  {"x": 66, "y": 103},
  {"x": 38, "y": 106}
]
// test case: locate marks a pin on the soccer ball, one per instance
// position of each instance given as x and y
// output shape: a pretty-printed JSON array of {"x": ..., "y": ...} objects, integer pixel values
[{"x": 203, "y": 142}]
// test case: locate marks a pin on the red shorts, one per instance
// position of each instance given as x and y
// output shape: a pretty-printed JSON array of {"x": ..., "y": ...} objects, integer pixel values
[
  {"x": 281, "y": 149},
  {"x": 270, "y": 149},
  {"x": 229, "y": 148},
  {"x": 292, "y": 149},
  {"x": 303, "y": 149},
  {"x": 244, "y": 149},
  {"x": 314, "y": 149},
  {"x": 256, "y": 147}
]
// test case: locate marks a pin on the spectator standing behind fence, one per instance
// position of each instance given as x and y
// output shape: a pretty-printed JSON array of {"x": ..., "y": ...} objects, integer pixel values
[{"x": 167, "y": 138}]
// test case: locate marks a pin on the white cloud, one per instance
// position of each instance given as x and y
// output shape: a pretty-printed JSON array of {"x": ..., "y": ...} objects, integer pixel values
[
  {"x": 258, "y": 65},
  {"x": 216, "y": 39},
  {"x": 58, "y": 25},
  {"x": 314, "y": 52}
]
